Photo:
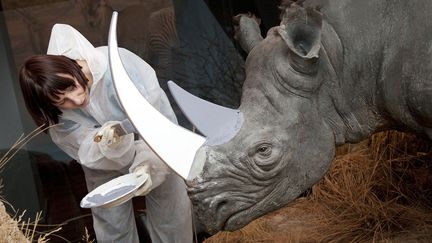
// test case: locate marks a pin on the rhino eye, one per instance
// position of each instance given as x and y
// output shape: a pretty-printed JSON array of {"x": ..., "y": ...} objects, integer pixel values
[
  {"x": 265, "y": 155},
  {"x": 264, "y": 150}
]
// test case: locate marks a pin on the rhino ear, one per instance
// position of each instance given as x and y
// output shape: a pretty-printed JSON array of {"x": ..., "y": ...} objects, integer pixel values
[{"x": 301, "y": 30}]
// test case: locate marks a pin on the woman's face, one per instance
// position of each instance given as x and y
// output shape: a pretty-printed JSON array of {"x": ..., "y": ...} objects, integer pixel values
[{"x": 73, "y": 97}]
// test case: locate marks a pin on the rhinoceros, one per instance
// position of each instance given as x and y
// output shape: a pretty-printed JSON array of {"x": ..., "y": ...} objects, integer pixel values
[{"x": 333, "y": 72}]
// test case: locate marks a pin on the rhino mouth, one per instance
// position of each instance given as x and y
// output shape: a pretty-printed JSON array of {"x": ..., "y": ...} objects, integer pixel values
[
  {"x": 228, "y": 210},
  {"x": 235, "y": 220},
  {"x": 218, "y": 210},
  {"x": 220, "y": 221},
  {"x": 238, "y": 219}
]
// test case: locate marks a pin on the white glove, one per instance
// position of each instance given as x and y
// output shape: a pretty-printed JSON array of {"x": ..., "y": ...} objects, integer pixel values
[
  {"x": 111, "y": 134},
  {"x": 142, "y": 172}
]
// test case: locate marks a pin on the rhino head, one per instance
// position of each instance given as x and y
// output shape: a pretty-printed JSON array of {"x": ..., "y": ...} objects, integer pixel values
[{"x": 283, "y": 145}]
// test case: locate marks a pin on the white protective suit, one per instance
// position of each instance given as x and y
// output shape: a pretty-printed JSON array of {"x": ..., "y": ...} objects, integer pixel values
[{"x": 168, "y": 208}]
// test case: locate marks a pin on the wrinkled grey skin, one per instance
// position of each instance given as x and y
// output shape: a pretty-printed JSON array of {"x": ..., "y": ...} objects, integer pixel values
[{"x": 318, "y": 80}]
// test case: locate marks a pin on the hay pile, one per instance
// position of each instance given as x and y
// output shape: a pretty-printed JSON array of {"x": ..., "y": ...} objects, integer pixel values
[
  {"x": 9, "y": 228},
  {"x": 379, "y": 190}
]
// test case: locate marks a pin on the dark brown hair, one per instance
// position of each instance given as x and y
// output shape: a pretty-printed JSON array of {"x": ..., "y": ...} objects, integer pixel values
[{"x": 39, "y": 80}]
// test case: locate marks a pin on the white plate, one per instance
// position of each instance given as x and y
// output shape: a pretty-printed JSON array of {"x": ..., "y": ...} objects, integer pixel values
[{"x": 113, "y": 192}]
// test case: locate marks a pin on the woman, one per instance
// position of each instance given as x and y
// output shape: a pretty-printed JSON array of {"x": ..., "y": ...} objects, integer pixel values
[{"x": 72, "y": 87}]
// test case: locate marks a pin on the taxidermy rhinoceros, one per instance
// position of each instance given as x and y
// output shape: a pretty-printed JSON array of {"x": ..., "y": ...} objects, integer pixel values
[{"x": 333, "y": 72}]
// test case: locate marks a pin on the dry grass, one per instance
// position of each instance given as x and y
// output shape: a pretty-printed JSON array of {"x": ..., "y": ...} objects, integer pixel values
[
  {"x": 377, "y": 191},
  {"x": 15, "y": 229},
  {"x": 9, "y": 228}
]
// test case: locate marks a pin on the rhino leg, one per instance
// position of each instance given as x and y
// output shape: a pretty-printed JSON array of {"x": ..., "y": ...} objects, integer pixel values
[{"x": 247, "y": 31}]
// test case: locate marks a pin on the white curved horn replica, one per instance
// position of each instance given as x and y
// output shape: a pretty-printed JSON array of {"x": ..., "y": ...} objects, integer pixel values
[
  {"x": 219, "y": 124},
  {"x": 175, "y": 145}
]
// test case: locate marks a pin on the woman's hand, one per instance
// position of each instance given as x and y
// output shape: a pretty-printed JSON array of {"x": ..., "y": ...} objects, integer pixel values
[
  {"x": 143, "y": 171},
  {"x": 111, "y": 134}
]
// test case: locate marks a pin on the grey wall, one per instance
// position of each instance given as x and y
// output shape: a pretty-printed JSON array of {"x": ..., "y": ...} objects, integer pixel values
[
  {"x": 10, "y": 122},
  {"x": 17, "y": 176}
]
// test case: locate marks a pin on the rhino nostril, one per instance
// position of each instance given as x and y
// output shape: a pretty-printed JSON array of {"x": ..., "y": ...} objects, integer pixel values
[{"x": 220, "y": 205}]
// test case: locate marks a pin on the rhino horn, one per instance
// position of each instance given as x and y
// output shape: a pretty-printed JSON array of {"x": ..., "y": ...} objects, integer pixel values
[
  {"x": 175, "y": 145},
  {"x": 301, "y": 30},
  {"x": 219, "y": 124}
]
